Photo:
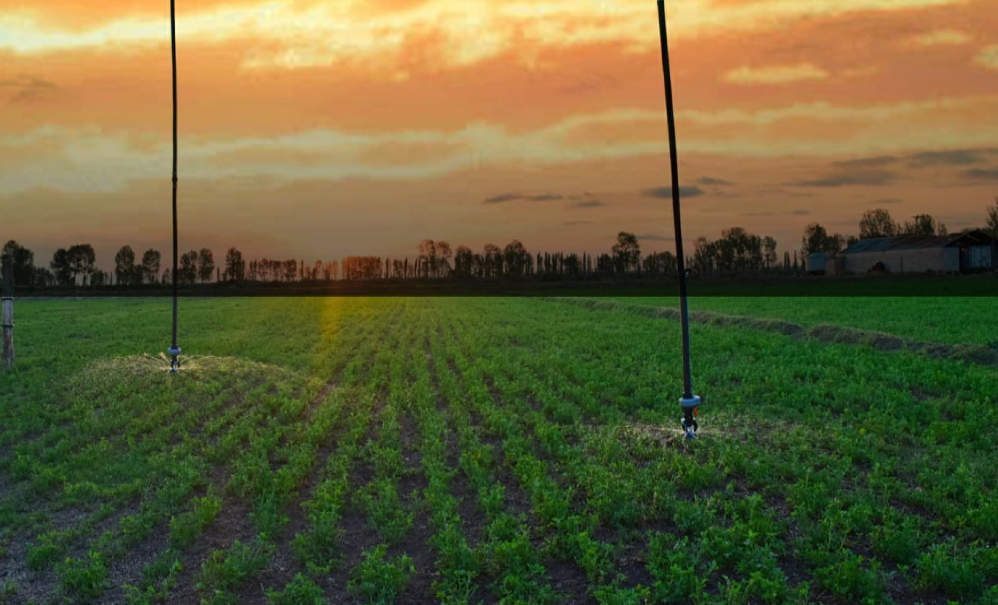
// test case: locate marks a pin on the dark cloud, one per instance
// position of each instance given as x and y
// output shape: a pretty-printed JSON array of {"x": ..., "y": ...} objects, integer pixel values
[
  {"x": 888, "y": 201},
  {"x": 982, "y": 174},
  {"x": 952, "y": 157},
  {"x": 874, "y": 162},
  {"x": 28, "y": 89},
  {"x": 514, "y": 197},
  {"x": 588, "y": 204},
  {"x": 666, "y": 192},
  {"x": 708, "y": 181},
  {"x": 546, "y": 197},
  {"x": 869, "y": 177},
  {"x": 784, "y": 192},
  {"x": 651, "y": 237},
  {"x": 574, "y": 223},
  {"x": 590, "y": 83},
  {"x": 768, "y": 214},
  {"x": 503, "y": 198},
  {"x": 956, "y": 157}
]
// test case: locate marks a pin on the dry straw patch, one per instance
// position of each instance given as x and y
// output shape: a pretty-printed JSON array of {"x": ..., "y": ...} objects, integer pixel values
[{"x": 195, "y": 366}]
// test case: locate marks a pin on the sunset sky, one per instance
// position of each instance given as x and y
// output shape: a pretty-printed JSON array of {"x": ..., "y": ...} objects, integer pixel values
[{"x": 317, "y": 129}]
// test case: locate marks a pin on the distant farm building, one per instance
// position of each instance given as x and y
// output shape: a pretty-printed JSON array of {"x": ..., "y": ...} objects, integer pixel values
[
  {"x": 816, "y": 263},
  {"x": 969, "y": 252}
]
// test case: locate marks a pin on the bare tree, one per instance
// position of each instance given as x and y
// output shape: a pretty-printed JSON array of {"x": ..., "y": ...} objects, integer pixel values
[
  {"x": 206, "y": 265},
  {"x": 442, "y": 267},
  {"x": 993, "y": 219},
  {"x": 187, "y": 272},
  {"x": 626, "y": 253},
  {"x": 290, "y": 269},
  {"x": 815, "y": 239},
  {"x": 43, "y": 277},
  {"x": 463, "y": 259},
  {"x": 124, "y": 266},
  {"x": 60, "y": 267},
  {"x": 428, "y": 257},
  {"x": 82, "y": 261},
  {"x": 877, "y": 223},
  {"x": 769, "y": 251},
  {"x": 836, "y": 242},
  {"x": 516, "y": 258},
  {"x": 150, "y": 266},
  {"x": 923, "y": 225},
  {"x": 492, "y": 260},
  {"x": 658, "y": 263},
  {"x": 22, "y": 262},
  {"x": 235, "y": 266}
]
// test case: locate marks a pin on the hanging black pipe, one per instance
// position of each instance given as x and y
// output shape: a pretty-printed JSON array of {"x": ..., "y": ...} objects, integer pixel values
[
  {"x": 689, "y": 401},
  {"x": 174, "y": 350}
]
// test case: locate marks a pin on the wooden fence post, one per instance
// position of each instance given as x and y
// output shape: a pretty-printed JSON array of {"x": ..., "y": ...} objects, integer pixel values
[{"x": 8, "y": 313}]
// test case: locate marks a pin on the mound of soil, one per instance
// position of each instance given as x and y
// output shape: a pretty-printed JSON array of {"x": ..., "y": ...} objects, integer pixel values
[{"x": 970, "y": 353}]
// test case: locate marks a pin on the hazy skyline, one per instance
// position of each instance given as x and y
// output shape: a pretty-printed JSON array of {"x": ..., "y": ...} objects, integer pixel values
[{"x": 321, "y": 129}]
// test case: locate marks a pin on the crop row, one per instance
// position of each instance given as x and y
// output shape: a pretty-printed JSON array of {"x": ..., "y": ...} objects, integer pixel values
[{"x": 512, "y": 450}]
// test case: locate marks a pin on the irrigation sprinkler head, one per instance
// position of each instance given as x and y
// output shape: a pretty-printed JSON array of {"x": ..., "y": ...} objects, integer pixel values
[
  {"x": 691, "y": 410},
  {"x": 174, "y": 353}
]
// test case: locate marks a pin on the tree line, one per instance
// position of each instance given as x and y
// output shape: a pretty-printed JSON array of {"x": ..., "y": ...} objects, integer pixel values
[
  {"x": 434, "y": 259},
  {"x": 877, "y": 223},
  {"x": 736, "y": 251}
]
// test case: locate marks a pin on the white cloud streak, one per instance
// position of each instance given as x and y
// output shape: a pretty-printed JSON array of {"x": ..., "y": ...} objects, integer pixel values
[
  {"x": 988, "y": 57},
  {"x": 90, "y": 159},
  {"x": 942, "y": 37},
  {"x": 775, "y": 74}
]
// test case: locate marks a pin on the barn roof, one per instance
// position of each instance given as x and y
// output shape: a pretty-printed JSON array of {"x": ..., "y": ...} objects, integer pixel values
[{"x": 884, "y": 244}]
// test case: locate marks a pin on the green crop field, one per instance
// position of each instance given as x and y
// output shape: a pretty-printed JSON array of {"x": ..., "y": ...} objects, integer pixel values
[
  {"x": 924, "y": 318},
  {"x": 392, "y": 450}
]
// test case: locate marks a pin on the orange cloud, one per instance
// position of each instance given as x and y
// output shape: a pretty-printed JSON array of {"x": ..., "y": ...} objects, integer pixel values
[
  {"x": 315, "y": 33},
  {"x": 330, "y": 110}
]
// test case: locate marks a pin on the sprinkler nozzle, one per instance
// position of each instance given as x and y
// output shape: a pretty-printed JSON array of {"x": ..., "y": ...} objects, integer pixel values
[
  {"x": 174, "y": 353},
  {"x": 690, "y": 412}
]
